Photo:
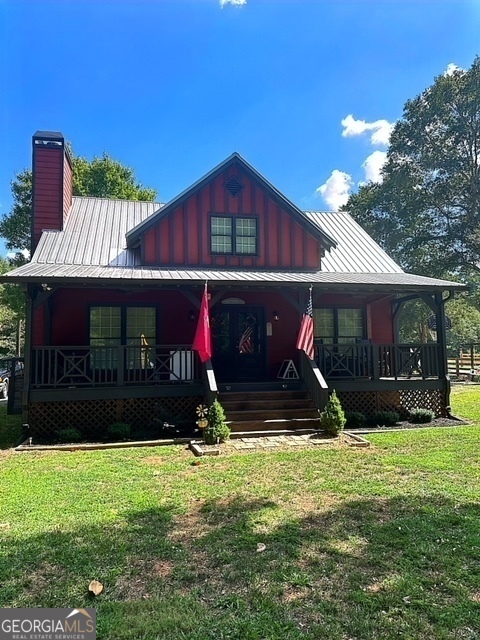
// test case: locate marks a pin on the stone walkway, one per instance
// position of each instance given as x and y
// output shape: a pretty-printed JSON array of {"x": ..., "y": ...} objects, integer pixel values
[
  {"x": 277, "y": 443},
  {"x": 271, "y": 442}
]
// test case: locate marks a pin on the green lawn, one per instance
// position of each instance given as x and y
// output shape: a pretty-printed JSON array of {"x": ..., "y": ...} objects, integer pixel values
[
  {"x": 10, "y": 427},
  {"x": 360, "y": 544}
]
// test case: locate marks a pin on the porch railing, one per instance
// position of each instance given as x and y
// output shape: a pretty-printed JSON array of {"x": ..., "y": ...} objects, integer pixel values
[
  {"x": 375, "y": 361},
  {"x": 314, "y": 381},
  {"x": 122, "y": 365}
]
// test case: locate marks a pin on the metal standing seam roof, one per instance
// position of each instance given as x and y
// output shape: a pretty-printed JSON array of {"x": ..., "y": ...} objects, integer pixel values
[
  {"x": 356, "y": 250},
  {"x": 93, "y": 246}
]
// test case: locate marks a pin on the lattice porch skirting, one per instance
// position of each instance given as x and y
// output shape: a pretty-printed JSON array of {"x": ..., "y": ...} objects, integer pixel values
[
  {"x": 402, "y": 401},
  {"x": 93, "y": 417}
]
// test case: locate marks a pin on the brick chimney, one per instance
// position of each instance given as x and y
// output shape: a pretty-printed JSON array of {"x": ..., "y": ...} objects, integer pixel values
[{"x": 52, "y": 183}]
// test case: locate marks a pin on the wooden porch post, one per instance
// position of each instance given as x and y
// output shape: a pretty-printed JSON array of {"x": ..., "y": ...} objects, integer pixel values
[
  {"x": 27, "y": 354},
  {"x": 442, "y": 346}
]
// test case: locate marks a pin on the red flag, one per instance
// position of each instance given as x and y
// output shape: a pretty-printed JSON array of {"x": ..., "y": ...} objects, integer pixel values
[
  {"x": 203, "y": 339},
  {"x": 305, "y": 337}
]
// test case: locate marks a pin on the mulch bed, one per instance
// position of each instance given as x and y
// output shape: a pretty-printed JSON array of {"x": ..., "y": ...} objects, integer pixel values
[{"x": 405, "y": 424}]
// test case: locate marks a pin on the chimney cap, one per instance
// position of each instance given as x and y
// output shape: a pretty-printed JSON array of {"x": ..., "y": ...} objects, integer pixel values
[{"x": 49, "y": 135}]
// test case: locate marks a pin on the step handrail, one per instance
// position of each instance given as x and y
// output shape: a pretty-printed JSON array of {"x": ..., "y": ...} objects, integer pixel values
[
  {"x": 313, "y": 378},
  {"x": 210, "y": 382}
]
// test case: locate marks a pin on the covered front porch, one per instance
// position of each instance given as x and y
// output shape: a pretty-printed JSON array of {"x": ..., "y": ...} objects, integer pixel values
[{"x": 116, "y": 354}]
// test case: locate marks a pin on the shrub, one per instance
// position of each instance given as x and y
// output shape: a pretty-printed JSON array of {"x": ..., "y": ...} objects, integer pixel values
[
  {"x": 355, "y": 420},
  {"x": 385, "y": 418},
  {"x": 333, "y": 418},
  {"x": 119, "y": 431},
  {"x": 66, "y": 436},
  {"x": 421, "y": 416},
  {"x": 217, "y": 430}
]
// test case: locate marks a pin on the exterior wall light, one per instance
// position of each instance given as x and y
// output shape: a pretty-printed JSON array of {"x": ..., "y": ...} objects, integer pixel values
[{"x": 276, "y": 317}]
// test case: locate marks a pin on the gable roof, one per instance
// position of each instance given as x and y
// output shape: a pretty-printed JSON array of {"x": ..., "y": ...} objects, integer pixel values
[
  {"x": 91, "y": 248},
  {"x": 134, "y": 235},
  {"x": 95, "y": 230}
]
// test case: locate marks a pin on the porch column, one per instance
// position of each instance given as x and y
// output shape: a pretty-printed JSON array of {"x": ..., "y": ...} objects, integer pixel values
[
  {"x": 27, "y": 368},
  {"x": 442, "y": 345},
  {"x": 441, "y": 335}
]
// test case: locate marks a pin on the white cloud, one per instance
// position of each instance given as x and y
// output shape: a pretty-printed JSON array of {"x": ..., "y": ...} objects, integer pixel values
[
  {"x": 381, "y": 129},
  {"x": 336, "y": 190},
  {"x": 451, "y": 68},
  {"x": 13, "y": 254},
  {"x": 236, "y": 3},
  {"x": 373, "y": 166}
]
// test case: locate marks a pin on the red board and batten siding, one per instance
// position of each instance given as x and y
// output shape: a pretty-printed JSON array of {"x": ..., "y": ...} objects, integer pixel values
[{"x": 183, "y": 237}]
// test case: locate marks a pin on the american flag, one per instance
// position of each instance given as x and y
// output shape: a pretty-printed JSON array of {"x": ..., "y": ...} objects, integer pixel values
[
  {"x": 245, "y": 344},
  {"x": 305, "y": 337}
]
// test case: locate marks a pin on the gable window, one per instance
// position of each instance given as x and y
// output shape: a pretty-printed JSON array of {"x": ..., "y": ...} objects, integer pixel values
[
  {"x": 112, "y": 326},
  {"x": 339, "y": 325},
  {"x": 230, "y": 235}
]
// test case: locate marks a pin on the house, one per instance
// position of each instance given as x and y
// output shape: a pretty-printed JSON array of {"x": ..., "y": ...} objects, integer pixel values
[{"x": 114, "y": 289}]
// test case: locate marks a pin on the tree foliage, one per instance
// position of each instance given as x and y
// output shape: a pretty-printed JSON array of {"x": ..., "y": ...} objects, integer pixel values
[
  {"x": 16, "y": 226},
  {"x": 413, "y": 321},
  {"x": 11, "y": 309},
  {"x": 333, "y": 418},
  {"x": 102, "y": 177},
  {"x": 105, "y": 177},
  {"x": 426, "y": 212}
]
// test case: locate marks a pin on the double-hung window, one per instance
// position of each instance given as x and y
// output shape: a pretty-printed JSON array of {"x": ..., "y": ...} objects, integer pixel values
[
  {"x": 339, "y": 325},
  {"x": 233, "y": 235},
  {"x": 112, "y": 326}
]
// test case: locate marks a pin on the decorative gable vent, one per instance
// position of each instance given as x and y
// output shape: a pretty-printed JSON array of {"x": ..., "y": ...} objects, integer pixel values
[{"x": 233, "y": 186}]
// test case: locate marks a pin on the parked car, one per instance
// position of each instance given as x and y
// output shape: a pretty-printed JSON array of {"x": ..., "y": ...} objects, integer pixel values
[{"x": 5, "y": 373}]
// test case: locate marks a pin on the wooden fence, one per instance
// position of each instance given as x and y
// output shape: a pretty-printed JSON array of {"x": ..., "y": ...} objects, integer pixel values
[{"x": 467, "y": 364}]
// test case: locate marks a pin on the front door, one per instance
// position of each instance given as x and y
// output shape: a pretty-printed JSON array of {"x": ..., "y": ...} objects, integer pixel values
[{"x": 238, "y": 343}]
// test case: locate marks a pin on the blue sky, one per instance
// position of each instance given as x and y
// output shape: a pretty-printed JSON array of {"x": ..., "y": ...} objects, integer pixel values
[{"x": 173, "y": 87}]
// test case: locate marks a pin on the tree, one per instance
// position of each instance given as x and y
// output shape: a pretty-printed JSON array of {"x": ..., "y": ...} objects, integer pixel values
[
  {"x": 426, "y": 212},
  {"x": 102, "y": 177},
  {"x": 105, "y": 177},
  {"x": 11, "y": 310},
  {"x": 16, "y": 226},
  {"x": 465, "y": 318}
]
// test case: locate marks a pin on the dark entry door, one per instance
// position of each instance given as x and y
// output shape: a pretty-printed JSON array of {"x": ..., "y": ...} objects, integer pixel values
[{"x": 238, "y": 343}]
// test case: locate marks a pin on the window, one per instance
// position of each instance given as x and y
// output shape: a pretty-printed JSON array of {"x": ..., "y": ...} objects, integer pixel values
[
  {"x": 114, "y": 326},
  {"x": 339, "y": 325},
  {"x": 140, "y": 333},
  {"x": 105, "y": 331},
  {"x": 233, "y": 235}
]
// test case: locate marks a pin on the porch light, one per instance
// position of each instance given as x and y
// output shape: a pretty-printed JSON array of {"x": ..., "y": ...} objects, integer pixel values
[{"x": 276, "y": 317}]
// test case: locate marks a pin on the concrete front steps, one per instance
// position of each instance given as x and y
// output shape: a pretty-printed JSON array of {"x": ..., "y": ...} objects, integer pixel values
[{"x": 279, "y": 412}]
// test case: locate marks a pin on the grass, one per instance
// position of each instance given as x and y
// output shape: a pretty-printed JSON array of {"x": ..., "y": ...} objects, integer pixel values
[
  {"x": 360, "y": 544},
  {"x": 10, "y": 427}
]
